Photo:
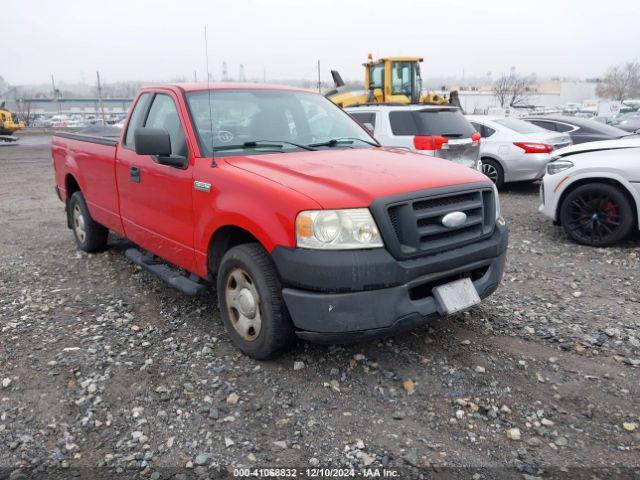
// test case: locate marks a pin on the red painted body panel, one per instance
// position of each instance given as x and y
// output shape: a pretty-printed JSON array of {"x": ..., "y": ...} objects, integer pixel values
[
  {"x": 157, "y": 213},
  {"x": 259, "y": 193},
  {"x": 92, "y": 166},
  {"x": 348, "y": 178}
]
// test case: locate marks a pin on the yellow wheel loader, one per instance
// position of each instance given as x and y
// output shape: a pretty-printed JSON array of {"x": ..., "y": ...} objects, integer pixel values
[
  {"x": 8, "y": 126},
  {"x": 388, "y": 80}
]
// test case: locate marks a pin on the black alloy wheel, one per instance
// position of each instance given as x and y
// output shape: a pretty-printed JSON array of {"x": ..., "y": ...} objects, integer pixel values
[{"x": 597, "y": 214}]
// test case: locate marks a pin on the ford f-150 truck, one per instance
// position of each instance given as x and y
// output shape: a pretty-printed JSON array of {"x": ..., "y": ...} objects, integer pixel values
[{"x": 304, "y": 224}]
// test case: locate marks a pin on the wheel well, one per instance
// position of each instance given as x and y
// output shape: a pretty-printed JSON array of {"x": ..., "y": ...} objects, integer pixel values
[
  {"x": 71, "y": 185},
  {"x": 485, "y": 157},
  {"x": 608, "y": 181},
  {"x": 224, "y": 239}
]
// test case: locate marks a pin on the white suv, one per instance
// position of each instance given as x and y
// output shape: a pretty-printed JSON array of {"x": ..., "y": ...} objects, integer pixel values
[
  {"x": 439, "y": 131},
  {"x": 593, "y": 191}
]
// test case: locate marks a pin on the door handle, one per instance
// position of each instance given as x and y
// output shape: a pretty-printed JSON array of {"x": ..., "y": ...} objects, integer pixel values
[{"x": 134, "y": 174}]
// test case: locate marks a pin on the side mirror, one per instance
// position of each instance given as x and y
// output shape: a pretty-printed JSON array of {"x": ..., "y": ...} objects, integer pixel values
[
  {"x": 156, "y": 142},
  {"x": 369, "y": 127},
  {"x": 152, "y": 141}
]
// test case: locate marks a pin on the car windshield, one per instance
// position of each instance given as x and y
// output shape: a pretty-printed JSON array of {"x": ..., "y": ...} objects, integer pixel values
[
  {"x": 519, "y": 126},
  {"x": 232, "y": 122}
]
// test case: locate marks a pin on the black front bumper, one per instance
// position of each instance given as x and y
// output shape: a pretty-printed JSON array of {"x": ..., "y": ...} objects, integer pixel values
[{"x": 345, "y": 296}]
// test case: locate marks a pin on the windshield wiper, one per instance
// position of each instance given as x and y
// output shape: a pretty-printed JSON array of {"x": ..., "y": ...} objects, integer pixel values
[
  {"x": 334, "y": 142},
  {"x": 261, "y": 144}
]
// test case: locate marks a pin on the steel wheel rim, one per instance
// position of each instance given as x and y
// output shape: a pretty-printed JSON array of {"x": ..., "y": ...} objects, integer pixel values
[
  {"x": 594, "y": 217},
  {"x": 243, "y": 304},
  {"x": 78, "y": 224},
  {"x": 490, "y": 171}
]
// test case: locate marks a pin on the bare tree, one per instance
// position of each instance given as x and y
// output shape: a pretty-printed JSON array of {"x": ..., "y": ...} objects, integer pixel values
[
  {"x": 621, "y": 82},
  {"x": 23, "y": 111},
  {"x": 512, "y": 89}
]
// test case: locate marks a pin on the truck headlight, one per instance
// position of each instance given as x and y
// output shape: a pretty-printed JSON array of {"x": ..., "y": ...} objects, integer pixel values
[
  {"x": 557, "y": 166},
  {"x": 499, "y": 219},
  {"x": 337, "y": 229}
]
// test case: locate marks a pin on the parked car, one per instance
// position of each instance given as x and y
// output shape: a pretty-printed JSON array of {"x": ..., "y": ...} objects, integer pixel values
[
  {"x": 630, "y": 122},
  {"x": 513, "y": 150},
  {"x": 305, "y": 228},
  {"x": 580, "y": 129},
  {"x": 439, "y": 131},
  {"x": 593, "y": 191}
]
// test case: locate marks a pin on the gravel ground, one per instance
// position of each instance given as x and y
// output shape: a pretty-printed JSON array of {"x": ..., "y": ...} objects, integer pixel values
[{"x": 105, "y": 370}]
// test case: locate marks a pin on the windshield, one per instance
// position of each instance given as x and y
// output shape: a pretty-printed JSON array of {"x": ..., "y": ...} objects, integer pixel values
[
  {"x": 264, "y": 121},
  {"x": 519, "y": 126}
]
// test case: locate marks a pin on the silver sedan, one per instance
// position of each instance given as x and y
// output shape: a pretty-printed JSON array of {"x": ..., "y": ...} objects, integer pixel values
[{"x": 513, "y": 150}]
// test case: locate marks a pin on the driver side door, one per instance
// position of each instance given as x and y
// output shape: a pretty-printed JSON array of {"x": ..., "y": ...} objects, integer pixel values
[{"x": 156, "y": 200}]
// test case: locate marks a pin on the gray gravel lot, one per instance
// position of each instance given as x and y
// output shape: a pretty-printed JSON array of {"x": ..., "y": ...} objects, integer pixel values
[{"x": 107, "y": 370}]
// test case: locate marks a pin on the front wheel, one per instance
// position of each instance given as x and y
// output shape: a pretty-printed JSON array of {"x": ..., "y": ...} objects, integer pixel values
[
  {"x": 251, "y": 304},
  {"x": 596, "y": 214}
]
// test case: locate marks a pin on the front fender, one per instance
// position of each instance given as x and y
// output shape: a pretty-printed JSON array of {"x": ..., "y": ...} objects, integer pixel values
[{"x": 264, "y": 208}]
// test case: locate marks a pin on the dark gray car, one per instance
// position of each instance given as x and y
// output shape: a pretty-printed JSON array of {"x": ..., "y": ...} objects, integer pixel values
[
  {"x": 629, "y": 122},
  {"x": 581, "y": 129}
]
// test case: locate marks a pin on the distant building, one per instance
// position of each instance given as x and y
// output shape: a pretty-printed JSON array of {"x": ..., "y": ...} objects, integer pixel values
[{"x": 551, "y": 93}]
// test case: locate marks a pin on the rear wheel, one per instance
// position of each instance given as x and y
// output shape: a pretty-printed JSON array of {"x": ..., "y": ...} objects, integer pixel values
[
  {"x": 494, "y": 171},
  {"x": 251, "y": 304},
  {"x": 90, "y": 236},
  {"x": 596, "y": 214}
]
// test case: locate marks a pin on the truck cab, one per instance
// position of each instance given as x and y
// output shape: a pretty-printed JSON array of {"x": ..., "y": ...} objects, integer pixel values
[{"x": 288, "y": 209}]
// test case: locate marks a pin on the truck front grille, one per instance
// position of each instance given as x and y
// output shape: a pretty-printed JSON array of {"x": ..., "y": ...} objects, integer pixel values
[{"x": 416, "y": 223}]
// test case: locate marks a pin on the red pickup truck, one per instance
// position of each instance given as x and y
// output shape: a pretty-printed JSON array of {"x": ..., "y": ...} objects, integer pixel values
[{"x": 304, "y": 224}]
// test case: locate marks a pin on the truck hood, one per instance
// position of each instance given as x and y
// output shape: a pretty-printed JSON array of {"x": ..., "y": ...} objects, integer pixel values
[
  {"x": 633, "y": 142},
  {"x": 349, "y": 178}
]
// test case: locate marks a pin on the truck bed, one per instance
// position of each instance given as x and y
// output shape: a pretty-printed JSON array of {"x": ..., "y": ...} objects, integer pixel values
[{"x": 96, "y": 134}]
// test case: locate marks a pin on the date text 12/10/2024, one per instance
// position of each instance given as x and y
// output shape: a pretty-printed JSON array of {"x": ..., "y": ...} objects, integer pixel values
[{"x": 315, "y": 473}]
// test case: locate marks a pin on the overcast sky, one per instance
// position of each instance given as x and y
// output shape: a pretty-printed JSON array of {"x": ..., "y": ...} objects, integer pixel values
[{"x": 155, "y": 40}]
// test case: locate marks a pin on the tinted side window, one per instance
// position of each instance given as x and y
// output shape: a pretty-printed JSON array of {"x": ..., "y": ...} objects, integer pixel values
[
  {"x": 563, "y": 127},
  {"x": 543, "y": 124},
  {"x": 163, "y": 114},
  {"x": 136, "y": 119},
  {"x": 487, "y": 131},
  {"x": 368, "y": 117},
  {"x": 403, "y": 123}
]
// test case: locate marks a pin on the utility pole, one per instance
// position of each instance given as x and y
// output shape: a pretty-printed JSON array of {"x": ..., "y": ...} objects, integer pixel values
[
  {"x": 319, "y": 85},
  {"x": 225, "y": 73},
  {"x": 56, "y": 94},
  {"x": 100, "y": 98},
  {"x": 195, "y": 76},
  {"x": 264, "y": 74}
]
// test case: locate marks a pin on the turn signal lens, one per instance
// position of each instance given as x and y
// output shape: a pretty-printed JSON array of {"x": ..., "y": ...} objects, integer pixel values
[{"x": 304, "y": 226}]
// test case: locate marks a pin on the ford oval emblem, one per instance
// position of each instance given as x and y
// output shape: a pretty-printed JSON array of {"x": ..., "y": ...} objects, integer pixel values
[{"x": 454, "y": 219}]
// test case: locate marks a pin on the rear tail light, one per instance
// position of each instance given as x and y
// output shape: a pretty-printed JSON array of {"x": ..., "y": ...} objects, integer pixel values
[
  {"x": 476, "y": 137},
  {"x": 532, "y": 147},
  {"x": 433, "y": 142}
]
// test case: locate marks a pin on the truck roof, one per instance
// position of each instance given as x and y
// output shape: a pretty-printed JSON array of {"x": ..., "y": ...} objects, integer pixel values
[{"x": 195, "y": 87}]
